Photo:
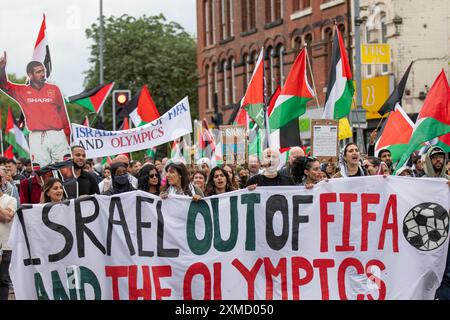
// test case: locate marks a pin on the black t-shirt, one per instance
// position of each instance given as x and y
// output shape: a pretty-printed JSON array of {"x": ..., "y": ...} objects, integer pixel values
[
  {"x": 263, "y": 181},
  {"x": 87, "y": 184}
]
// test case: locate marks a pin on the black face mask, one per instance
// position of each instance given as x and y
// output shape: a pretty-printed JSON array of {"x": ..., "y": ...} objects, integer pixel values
[{"x": 121, "y": 180}]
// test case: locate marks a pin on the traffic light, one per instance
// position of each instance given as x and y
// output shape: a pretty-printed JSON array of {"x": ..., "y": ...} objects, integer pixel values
[
  {"x": 120, "y": 100},
  {"x": 121, "y": 97}
]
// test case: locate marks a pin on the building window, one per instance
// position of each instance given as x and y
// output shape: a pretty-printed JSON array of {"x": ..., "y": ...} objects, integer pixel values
[
  {"x": 214, "y": 78},
  {"x": 308, "y": 41},
  {"x": 369, "y": 70},
  {"x": 226, "y": 91},
  {"x": 270, "y": 71},
  {"x": 227, "y": 19},
  {"x": 299, "y": 5},
  {"x": 328, "y": 34},
  {"x": 281, "y": 52},
  {"x": 207, "y": 24},
  {"x": 383, "y": 39},
  {"x": 248, "y": 15},
  {"x": 274, "y": 10}
]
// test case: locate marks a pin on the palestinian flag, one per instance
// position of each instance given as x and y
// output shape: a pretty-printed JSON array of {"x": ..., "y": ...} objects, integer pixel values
[
  {"x": 86, "y": 122},
  {"x": 125, "y": 124},
  {"x": 92, "y": 99},
  {"x": 141, "y": 109},
  {"x": 151, "y": 153},
  {"x": 107, "y": 160},
  {"x": 434, "y": 117},
  {"x": 288, "y": 135},
  {"x": 253, "y": 100},
  {"x": 340, "y": 87},
  {"x": 395, "y": 134},
  {"x": 292, "y": 100},
  {"x": 207, "y": 144},
  {"x": 397, "y": 95},
  {"x": 9, "y": 153},
  {"x": 41, "y": 50},
  {"x": 15, "y": 137},
  {"x": 444, "y": 142}
]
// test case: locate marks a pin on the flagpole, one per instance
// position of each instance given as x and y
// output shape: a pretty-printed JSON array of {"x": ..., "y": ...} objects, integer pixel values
[
  {"x": 312, "y": 77},
  {"x": 1, "y": 141}
]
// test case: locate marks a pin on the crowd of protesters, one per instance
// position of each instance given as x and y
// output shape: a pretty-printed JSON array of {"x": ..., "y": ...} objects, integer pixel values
[{"x": 165, "y": 177}]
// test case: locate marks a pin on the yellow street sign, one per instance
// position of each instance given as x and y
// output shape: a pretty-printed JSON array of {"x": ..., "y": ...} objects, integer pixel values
[
  {"x": 375, "y": 53},
  {"x": 375, "y": 92}
]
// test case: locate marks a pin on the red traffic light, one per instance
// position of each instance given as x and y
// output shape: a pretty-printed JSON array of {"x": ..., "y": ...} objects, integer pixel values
[{"x": 121, "y": 97}]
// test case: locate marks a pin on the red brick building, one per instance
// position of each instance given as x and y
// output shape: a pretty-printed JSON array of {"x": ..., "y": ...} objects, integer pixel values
[{"x": 231, "y": 34}]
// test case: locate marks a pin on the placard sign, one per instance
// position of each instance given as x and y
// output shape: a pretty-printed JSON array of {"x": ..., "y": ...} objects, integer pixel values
[
  {"x": 324, "y": 139},
  {"x": 234, "y": 144}
]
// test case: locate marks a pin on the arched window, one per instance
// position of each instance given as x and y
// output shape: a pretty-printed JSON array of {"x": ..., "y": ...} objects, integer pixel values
[
  {"x": 208, "y": 88},
  {"x": 308, "y": 41},
  {"x": 233, "y": 80},
  {"x": 328, "y": 35},
  {"x": 282, "y": 78},
  {"x": 226, "y": 91},
  {"x": 270, "y": 71}
]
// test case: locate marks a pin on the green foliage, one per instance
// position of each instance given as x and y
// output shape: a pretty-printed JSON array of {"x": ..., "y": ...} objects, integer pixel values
[{"x": 146, "y": 50}]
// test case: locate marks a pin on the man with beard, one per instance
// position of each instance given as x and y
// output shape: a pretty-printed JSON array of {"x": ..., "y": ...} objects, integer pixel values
[
  {"x": 294, "y": 153},
  {"x": 385, "y": 156},
  {"x": 45, "y": 113},
  {"x": 434, "y": 167},
  {"x": 87, "y": 184},
  {"x": 270, "y": 175}
]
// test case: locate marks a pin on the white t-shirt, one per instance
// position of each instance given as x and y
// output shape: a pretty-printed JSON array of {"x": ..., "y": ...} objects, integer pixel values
[{"x": 5, "y": 228}]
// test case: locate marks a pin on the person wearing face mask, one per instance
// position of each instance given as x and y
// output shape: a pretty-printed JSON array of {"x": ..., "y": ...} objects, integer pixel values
[
  {"x": 87, "y": 184},
  {"x": 120, "y": 181},
  {"x": 270, "y": 176}
]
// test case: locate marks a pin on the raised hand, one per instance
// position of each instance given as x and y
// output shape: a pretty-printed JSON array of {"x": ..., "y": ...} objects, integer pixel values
[{"x": 3, "y": 60}]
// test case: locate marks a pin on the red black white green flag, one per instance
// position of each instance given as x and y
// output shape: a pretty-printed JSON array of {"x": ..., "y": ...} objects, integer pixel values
[
  {"x": 41, "y": 50},
  {"x": 434, "y": 117},
  {"x": 340, "y": 87},
  {"x": 92, "y": 99}
]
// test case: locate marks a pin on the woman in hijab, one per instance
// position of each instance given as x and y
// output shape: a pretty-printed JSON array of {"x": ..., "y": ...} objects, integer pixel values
[
  {"x": 120, "y": 180},
  {"x": 350, "y": 162}
]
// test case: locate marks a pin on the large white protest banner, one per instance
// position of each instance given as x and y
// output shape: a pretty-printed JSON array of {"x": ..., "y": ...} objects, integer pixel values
[
  {"x": 100, "y": 143},
  {"x": 359, "y": 238}
]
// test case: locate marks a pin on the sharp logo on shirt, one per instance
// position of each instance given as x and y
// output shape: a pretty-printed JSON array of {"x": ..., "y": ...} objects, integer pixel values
[{"x": 39, "y": 100}]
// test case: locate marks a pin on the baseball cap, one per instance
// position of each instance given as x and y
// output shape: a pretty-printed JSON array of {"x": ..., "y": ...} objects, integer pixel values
[{"x": 436, "y": 151}]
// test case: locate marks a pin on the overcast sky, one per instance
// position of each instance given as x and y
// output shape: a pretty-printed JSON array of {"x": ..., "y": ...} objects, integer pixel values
[{"x": 67, "y": 21}]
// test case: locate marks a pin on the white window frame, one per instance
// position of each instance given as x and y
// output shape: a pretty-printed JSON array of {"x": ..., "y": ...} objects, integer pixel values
[
  {"x": 213, "y": 20},
  {"x": 225, "y": 83},
  {"x": 224, "y": 19},
  {"x": 233, "y": 80},
  {"x": 207, "y": 22},
  {"x": 208, "y": 85},
  {"x": 282, "y": 76},
  {"x": 231, "y": 19}
]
